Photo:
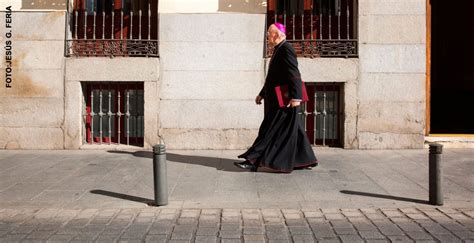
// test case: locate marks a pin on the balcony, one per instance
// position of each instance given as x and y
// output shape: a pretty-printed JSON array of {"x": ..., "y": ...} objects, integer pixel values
[
  {"x": 112, "y": 28},
  {"x": 317, "y": 28}
]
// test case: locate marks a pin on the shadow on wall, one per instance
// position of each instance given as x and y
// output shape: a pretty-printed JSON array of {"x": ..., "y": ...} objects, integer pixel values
[
  {"x": 43, "y": 4},
  {"x": 243, "y": 6}
]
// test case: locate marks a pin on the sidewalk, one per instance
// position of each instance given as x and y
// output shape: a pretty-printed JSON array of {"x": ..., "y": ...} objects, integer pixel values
[
  {"x": 95, "y": 195},
  {"x": 208, "y": 179}
]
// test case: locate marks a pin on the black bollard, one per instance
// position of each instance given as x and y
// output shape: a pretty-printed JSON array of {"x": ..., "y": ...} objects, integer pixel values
[
  {"x": 160, "y": 175},
  {"x": 435, "y": 174}
]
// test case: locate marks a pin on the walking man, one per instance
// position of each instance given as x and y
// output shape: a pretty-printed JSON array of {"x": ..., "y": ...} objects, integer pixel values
[{"x": 282, "y": 144}]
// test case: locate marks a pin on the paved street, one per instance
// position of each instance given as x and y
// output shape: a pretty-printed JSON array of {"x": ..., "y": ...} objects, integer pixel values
[
  {"x": 354, "y": 195},
  {"x": 237, "y": 225}
]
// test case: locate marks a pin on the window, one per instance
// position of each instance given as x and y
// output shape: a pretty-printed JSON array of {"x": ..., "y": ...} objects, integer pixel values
[
  {"x": 317, "y": 28},
  {"x": 113, "y": 113},
  {"x": 112, "y": 28},
  {"x": 322, "y": 114}
]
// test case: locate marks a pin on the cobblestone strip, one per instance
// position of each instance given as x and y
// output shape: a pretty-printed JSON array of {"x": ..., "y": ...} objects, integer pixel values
[
  {"x": 298, "y": 226},
  {"x": 16, "y": 221},
  {"x": 275, "y": 225},
  {"x": 162, "y": 227},
  {"x": 388, "y": 227},
  {"x": 56, "y": 224},
  {"x": 39, "y": 226},
  {"x": 79, "y": 228},
  {"x": 364, "y": 227},
  {"x": 139, "y": 226},
  {"x": 425, "y": 224},
  {"x": 407, "y": 225},
  {"x": 253, "y": 227},
  {"x": 186, "y": 225},
  {"x": 114, "y": 224},
  {"x": 208, "y": 225},
  {"x": 231, "y": 225},
  {"x": 448, "y": 225},
  {"x": 320, "y": 226},
  {"x": 342, "y": 226}
]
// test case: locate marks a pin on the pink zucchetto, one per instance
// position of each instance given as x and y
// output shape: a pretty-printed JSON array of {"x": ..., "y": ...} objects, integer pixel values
[{"x": 280, "y": 27}]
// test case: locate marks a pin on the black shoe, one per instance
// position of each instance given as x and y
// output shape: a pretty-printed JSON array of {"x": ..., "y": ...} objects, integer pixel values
[
  {"x": 246, "y": 165},
  {"x": 254, "y": 168}
]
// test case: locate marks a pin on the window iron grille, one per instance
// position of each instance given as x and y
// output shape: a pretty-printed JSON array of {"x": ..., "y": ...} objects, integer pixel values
[
  {"x": 113, "y": 113},
  {"x": 322, "y": 115}
]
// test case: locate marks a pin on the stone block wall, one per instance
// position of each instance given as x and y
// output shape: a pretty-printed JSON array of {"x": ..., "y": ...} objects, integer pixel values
[
  {"x": 212, "y": 69},
  {"x": 32, "y": 110},
  {"x": 391, "y": 90}
]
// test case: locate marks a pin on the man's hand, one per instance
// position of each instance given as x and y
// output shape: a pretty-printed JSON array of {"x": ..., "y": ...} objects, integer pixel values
[
  {"x": 258, "y": 100},
  {"x": 293, "y": 103}
]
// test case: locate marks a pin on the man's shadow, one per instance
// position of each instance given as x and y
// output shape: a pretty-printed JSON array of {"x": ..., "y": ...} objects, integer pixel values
[{"x": 221, "y": 164}]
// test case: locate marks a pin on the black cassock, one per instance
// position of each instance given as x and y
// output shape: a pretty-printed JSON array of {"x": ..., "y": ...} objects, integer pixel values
[{"x": 282, "y": 143}]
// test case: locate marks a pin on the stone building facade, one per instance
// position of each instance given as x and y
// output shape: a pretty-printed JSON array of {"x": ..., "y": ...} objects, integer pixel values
[{"x": 199, "y": 93}]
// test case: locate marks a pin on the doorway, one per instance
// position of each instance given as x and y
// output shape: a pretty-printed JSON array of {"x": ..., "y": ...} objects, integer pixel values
[{"x": 451, "y": 73}]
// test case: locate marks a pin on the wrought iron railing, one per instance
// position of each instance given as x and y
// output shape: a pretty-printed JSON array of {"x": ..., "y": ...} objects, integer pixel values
[
  {"x": 112, "y": 28},
  {"x": 317, "y": 28},
  {"x": 322, "y": 114}
]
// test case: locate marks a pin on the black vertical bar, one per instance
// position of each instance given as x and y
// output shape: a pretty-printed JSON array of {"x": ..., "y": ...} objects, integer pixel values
[
  {"x": 89, "y": 97},
  {"x": 320, "y": 20},
  {"x": 334, "y": 114},
  {"x": 324, "y": 115},
  {"x": 117, "y": 108},
  {"x": 117, "y": 100},
  {"x": 355, "y": 16},
  {"x": 127, "y": 110},
  {"x": 281, "y": 7},
  {"x": 330, "y": 19},
  {"x": 300, "y": 9},
  {"x": 92, "y": 110},
  {"x": 347, "y": 17},
  {"x": 136, "y": 113},
  {"x": 85, "y": 90},
  {"x": 340, "y": 114},
  {"x": 292, "y": 5},
  {"x": 275, "y": 15},
  {"x": 141, "y": 116},
  {"x": 316, "y": 9},
  {"x": 315, "y": 116},
  {"x": 111, "y": 113},
  {"x": 100, "y": 110}
]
